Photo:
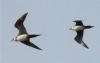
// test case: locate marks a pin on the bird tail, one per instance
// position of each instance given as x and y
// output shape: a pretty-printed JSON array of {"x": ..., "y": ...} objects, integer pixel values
[
  {"x": 87, "y": 27},
  {"x": 83, "y": 44},
  {"x": 34, "y": 35}
]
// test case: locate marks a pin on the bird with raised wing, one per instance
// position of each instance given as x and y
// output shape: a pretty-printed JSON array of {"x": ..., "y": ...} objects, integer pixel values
[
  {"x": 79, "y": 28},
  {"x": 23, "y": 36}
]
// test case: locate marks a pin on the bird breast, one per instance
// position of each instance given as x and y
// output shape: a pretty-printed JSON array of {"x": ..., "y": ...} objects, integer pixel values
[
  {"x": 22, "y": 37},
  {"x": 77, "y": 28}
]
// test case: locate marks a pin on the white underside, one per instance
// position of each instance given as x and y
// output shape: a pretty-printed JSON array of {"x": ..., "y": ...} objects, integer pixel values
[
  {"x": 77, "y": 28},
  {"x": 21, "y": 37}
]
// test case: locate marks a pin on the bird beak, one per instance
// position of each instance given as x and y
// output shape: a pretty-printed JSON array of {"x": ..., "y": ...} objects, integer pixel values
[
  {"x": 70, "y": 28},
  {"x": 12, "y": 40}
]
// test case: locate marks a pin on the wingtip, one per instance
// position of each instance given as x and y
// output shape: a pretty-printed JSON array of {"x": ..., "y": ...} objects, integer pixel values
[
  {"x": 39, "y": 48},
  {"x": 85, "y": 45},
  {"x": 77, "y": 20},
  {"x": 26, "y": 13},
  {"x": 73, "y": 20},
  {"x": 23, "y": 16}
]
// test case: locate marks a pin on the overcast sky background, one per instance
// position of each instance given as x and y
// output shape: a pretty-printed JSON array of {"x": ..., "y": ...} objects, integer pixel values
[{"x": 52, "y": 19}]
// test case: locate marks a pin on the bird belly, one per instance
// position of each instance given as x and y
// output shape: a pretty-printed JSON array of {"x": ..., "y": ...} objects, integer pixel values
[
  {"x": 78, "y": 28},
  {"x": 22, "y": 37}
]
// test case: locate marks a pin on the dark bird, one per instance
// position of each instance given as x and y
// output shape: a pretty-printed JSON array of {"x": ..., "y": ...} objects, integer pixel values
[
  {"x": 79, "y": 28},
  {"x": 23, "y": 36}
]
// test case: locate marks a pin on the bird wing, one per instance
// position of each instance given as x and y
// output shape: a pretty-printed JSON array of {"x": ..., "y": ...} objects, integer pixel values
[
  {"x": 83, "y": 44},
  {"x": 19, "y": 24},
  {"x": 30, "y": 44},
  {"x": 78, "y": 22},
  {"x": 79, "y": 36}
]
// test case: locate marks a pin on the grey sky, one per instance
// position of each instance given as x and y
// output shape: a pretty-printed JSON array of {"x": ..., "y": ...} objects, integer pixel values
[{"x": 52, "y": 19}]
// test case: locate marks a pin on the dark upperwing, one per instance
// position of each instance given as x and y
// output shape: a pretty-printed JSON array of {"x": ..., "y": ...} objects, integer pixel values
[
  {"x": 19, "y": 24},
  {"x": 31, "y": 44},
  {"x": 78, "y": 22}
]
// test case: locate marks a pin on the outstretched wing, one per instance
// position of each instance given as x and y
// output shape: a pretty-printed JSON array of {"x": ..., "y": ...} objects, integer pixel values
[
  {"x": 31, "y": 44},
  {"x": 83, "y": 44},
  {"x": 78, "y": 22},
  {"x": 79, "y": 36},
  {"x": 19, "y": 24}
]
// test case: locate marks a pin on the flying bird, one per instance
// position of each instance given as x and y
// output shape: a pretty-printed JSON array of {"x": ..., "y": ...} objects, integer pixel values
[
  {"x": 23, "y": 36},
  {"x": 79, "y": 28}
]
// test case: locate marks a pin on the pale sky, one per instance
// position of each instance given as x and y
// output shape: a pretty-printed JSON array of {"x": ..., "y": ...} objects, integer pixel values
[{"x": 52, "y": 19}]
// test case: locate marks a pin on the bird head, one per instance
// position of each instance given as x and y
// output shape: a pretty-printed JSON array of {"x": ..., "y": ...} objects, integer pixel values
[
  {"x": 72, "y": 28},
  {"x": 14, "y": 39}
]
